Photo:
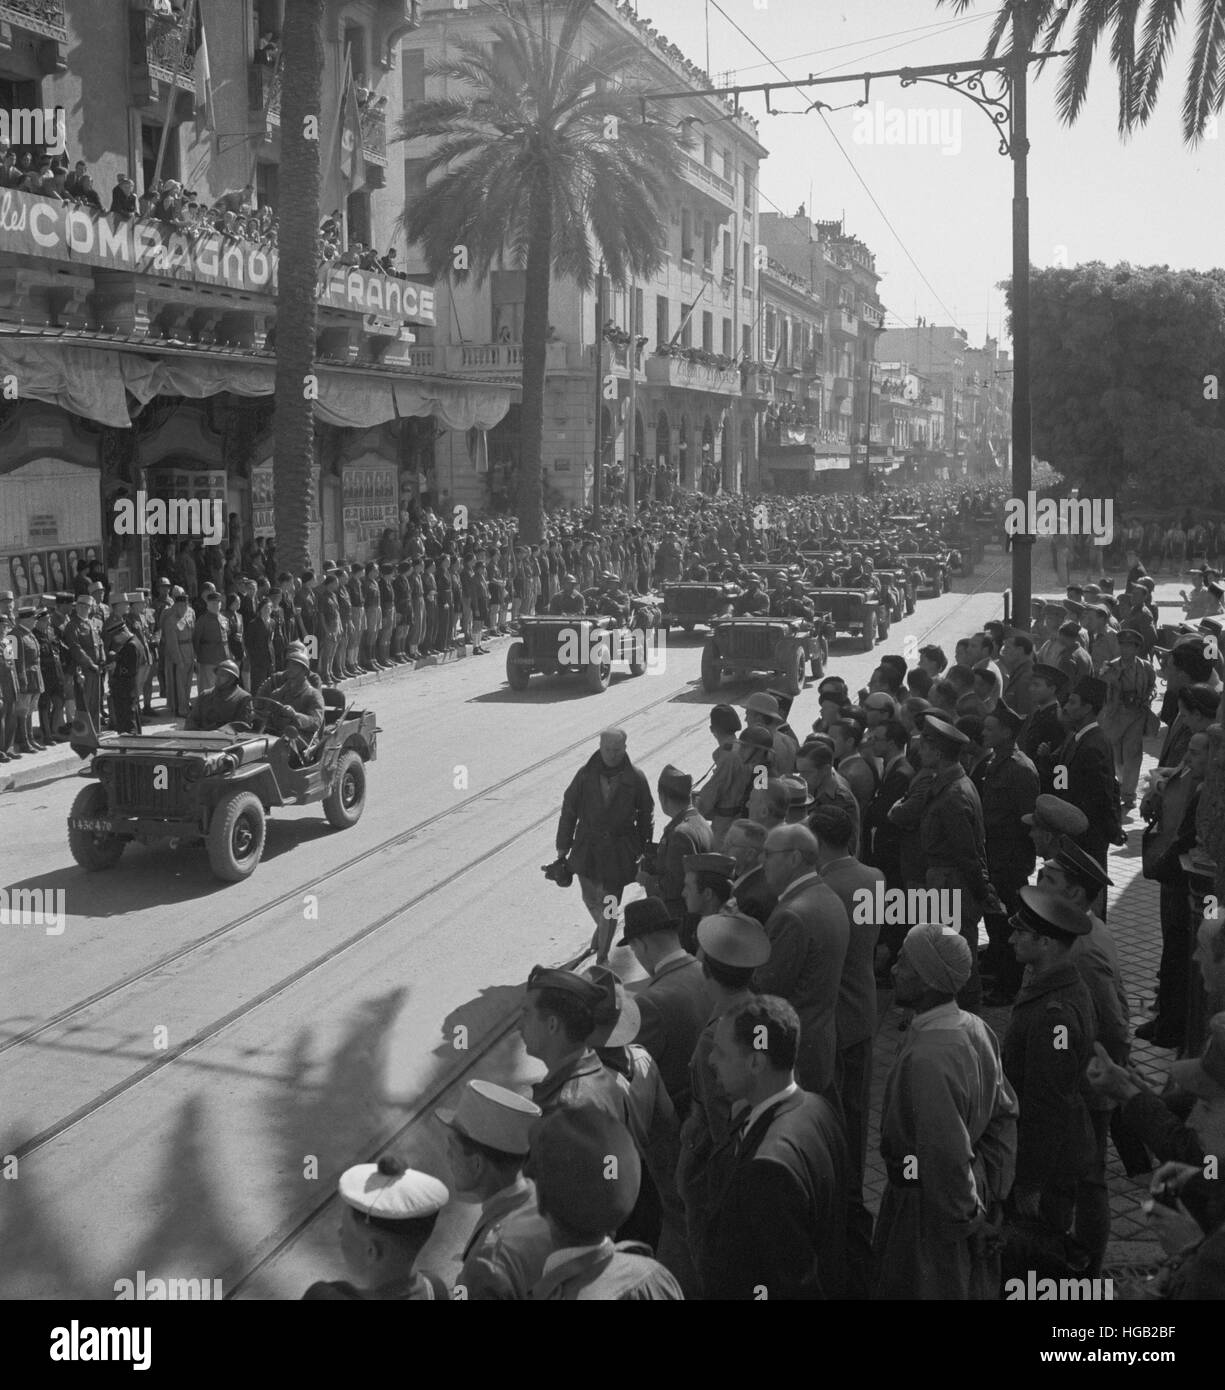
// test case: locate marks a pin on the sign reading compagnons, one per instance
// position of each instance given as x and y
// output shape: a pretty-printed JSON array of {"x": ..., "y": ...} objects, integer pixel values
[{"x": 34, "y": 226}]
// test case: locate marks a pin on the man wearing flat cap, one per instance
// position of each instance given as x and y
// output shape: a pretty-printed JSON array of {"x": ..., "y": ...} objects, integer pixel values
[
  {"x": 943, "y": 806},
  {"x": 588, "y": 1174},
  {"x": 389, "y": 1213},
  {"x": 672, "y": 1000},
  {"x": 488, "y": 1139},
  {"x": 1084, "y": 768},
  {"x": 947, "y": 1099},
  {"x": 1007, "y": 784},
  {"x": 687, "y": 832},
  {"x": 607, "y": 820},
  {"x": 1046, "y": 1049}
]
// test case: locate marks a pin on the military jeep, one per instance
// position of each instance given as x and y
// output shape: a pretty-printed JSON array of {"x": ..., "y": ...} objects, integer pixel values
[
  {"x": 857, "y": 611},
  {"x": 934, "y": 568},
  {"x": 689, "y": 602},
  {"x": 779, "y": 646},
  {"x": 186, "y": 787},
  {"x": 588, "y": 646}
]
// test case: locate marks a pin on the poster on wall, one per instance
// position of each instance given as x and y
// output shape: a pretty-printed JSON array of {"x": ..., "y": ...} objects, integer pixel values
[
  {"x": 370, "y": 502},
  {"x": 263, "y": 515}
]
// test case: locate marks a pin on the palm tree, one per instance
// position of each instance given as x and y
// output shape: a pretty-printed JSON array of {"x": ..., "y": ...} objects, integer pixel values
[
  {"x": 293, "y": 421},
  {"x": 1139, "y": 72},
  {"x": 549, "y": 165}
]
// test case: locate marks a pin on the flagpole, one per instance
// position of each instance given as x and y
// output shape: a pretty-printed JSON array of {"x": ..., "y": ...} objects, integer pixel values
[{"x": 189, "y": 20}]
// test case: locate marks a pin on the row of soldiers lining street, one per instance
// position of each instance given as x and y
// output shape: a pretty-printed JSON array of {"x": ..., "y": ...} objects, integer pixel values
[{"x": 703, "y": 1132}]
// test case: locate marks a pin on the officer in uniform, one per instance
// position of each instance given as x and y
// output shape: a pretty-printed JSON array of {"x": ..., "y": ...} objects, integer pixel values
[
  {"x": 1054, "y": 823},
  {"x": 1130, "y": 682},
  {"x": 754, "y": 602},
  {"x": 1103, "y": 641},
  {"x": 125, "y": 657},
  {"x": 389, "y": 1213},
  {"x": 83, "y": 638},
  {"x": 293, "y": 706},
  {"x": 225, "y": 703},
  {"x": 613, "y": 601},
  {"x": 29, "y": 678},
  {"x": 488, "y": 1139},
  {"x": 1048, "y": 1044},
  {"x": 9, "y": 720},
  {"x": 793, "y": 604}
]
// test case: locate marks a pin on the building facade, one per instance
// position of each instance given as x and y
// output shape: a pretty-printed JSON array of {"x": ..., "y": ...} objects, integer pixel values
[
  {"x": 139, "y": 352},
  {"x": 673, "y": 344}
]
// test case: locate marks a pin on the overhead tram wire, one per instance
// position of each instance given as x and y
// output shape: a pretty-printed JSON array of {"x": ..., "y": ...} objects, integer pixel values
[
  {"x": 863, "y": 184},
  {"x": 761, "y": 194}
]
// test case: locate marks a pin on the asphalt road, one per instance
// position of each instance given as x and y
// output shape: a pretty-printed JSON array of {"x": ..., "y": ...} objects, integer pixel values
[{"x": 187, "y": 1068}]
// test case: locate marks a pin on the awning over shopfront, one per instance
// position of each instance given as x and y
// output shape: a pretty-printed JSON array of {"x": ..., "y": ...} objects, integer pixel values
[
  {"x": 801, "y": 458},
  {"x": 95, "y": 382}
]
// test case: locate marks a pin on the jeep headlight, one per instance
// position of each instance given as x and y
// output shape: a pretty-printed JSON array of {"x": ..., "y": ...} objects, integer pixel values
[{"x": 195, "y": 770}]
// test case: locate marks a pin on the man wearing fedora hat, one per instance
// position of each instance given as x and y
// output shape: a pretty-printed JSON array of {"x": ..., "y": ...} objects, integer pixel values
[
  {"x": 226, "y": 702},
  {"x": 1055, "y": 1144},
  {"x": 672, "y": 1000},
  {"x": 687, "y": 832},
  {"x": 488, "y": 1139}
]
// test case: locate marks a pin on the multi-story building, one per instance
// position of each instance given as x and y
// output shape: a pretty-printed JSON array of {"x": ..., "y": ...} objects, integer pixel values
[
  {"x": 974, "y": 387},
  {"x": 672, "y": 343},
  {"x": 840, "y": 274},
  {"x": 911, "y": 418},
  {"x": 140, "y": 353},
  {"x": 790, "y": 377}
]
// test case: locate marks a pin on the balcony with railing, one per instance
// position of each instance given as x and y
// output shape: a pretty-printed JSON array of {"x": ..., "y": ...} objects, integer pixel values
[
  {"x": 718, "y": 193},
  {"x": 499, "y": 359},
  {"x": 695, "y": 370},
  {"x": 46, "y": 20},
  {"x": 843, "y": 320},
  {"x": 758, "y": 380},
  {"x": 873, "y": 316},
  {"x": 159, "y": 44}
]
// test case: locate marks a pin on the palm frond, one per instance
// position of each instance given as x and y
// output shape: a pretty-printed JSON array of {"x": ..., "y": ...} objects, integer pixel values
[
  {"x": 1202, "y": 98},
  {"x": 1073, "y": 88},
  {"x": 1160, "y": 26},
  {"x": 1123, "y": 56}
]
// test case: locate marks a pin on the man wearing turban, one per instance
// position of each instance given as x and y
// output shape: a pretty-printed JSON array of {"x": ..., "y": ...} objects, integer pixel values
[{"x": 948, "y": 1134}]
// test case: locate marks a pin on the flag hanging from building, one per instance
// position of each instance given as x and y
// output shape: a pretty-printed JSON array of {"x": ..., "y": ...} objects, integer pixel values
[
  {"x": 206, "y": 116},
  {"x": 352, "y": 162}
]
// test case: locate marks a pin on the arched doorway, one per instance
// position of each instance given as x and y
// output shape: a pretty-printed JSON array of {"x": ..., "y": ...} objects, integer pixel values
[{"x": 663, "y": 455}]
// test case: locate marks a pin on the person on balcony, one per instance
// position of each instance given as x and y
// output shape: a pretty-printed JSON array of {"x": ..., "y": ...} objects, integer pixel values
[{"x": 123, "y": 200}]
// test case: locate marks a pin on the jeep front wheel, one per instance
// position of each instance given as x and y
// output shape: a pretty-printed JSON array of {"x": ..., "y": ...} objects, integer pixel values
[
  {"x": 792, "y": 672},
  {"x": 517, "y": 676},
  {"x": 236, "y": 836},
  {"x": 344, "y": 804},
  {"x": 597, "y": 674},
  {"x": 91, "y": 849}
]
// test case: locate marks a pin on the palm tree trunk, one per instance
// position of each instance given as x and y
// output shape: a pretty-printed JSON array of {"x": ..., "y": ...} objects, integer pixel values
[
  {"x": 293, "y": 423},
  {"x": 537, "y": 275}
]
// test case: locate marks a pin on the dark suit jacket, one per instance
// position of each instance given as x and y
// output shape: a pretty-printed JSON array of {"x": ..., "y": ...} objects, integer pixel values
[
  {"x": 809, "y": 933},
  {"x": 674, "y": 1007},
  {"x": 855, "y": 1019},
  {"x": 880, "y": 842},
  {"x": 780, "y": 1223},
  {"x": 1093, "y": 787},
  {"x": 1042, "y": 726}
]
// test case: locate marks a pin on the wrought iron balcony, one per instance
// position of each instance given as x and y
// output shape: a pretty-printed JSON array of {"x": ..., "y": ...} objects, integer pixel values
[
  {"x": 158, "y": 45},
  {"x": 693, "y": 376},
  {"x": 716, "y": 190},
  {"x": 45, "y": 17}
]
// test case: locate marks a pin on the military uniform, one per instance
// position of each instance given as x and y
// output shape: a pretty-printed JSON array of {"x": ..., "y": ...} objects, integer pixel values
[
  {"x": 685, "y": 834},
  {"x": 83, "y": 637},
  {"x": 1131, "y": 683},
  {"x": 127, "y": 656},
  {"x": 306, "y": 703},
  {"x": 212, "y": 709},
  {"x": 505, "y": 1254},
  {"x": 1055, "y": 1143}
]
